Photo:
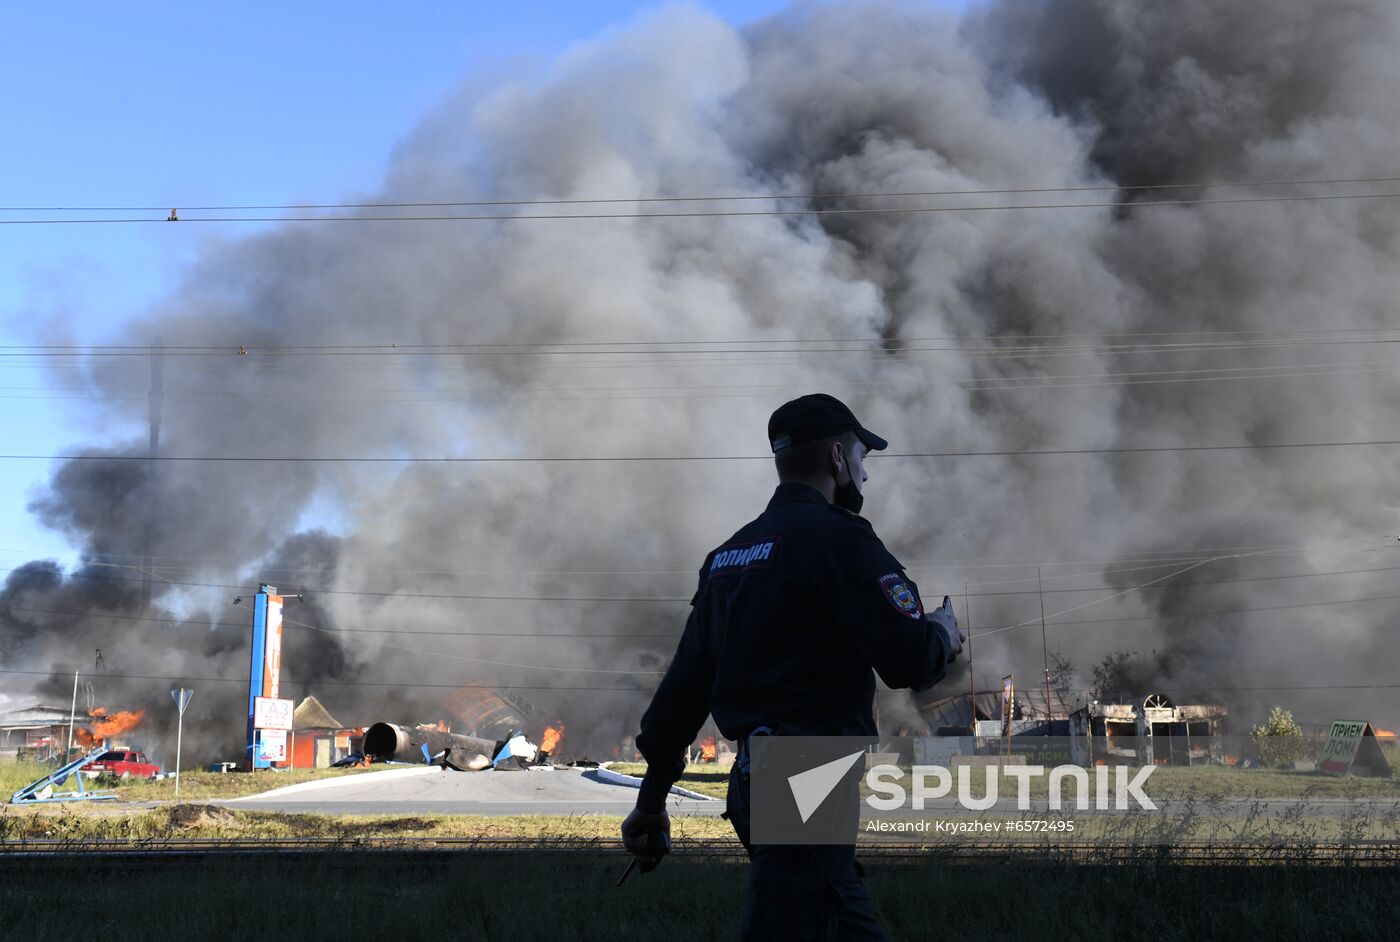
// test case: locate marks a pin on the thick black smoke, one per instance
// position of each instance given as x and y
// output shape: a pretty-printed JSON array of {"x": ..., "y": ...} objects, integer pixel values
[{"x": 826, "y": 99}]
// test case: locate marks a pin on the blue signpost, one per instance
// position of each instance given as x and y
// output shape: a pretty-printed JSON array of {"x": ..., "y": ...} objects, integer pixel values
[{"x": 265, "y": 668}]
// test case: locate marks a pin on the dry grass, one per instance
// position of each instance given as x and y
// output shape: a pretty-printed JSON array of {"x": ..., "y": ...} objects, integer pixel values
[
  {"x": 194, "y": 785},
  {"x": 95, "y": 822},
  {"x": 704, "y": 779}
]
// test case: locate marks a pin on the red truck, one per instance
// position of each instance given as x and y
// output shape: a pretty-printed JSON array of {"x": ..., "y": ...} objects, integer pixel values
[{"x": 122, "y": 763}]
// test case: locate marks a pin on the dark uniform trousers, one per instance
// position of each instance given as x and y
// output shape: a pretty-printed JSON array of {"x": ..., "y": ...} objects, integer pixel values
[{"x": 812, "y": 893}]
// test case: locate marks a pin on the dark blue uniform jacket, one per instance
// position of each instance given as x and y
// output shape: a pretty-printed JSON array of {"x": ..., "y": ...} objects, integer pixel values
[{"x": 793, "y": 617}]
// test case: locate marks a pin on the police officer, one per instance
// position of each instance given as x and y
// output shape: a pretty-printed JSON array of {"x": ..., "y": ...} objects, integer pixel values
[{"x": 793, "y": 617}]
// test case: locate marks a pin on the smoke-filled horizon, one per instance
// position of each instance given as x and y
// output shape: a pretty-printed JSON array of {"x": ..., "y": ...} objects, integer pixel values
[{"x": 845, "y": 98}]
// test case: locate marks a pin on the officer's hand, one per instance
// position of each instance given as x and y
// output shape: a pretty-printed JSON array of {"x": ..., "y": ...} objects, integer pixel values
[
  {"x": 944, "y": 618},
  {"x": 647, "y": 837}
]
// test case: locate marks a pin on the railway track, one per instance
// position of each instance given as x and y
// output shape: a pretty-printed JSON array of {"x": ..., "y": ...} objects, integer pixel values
[{"x": 1360, "y": 853}]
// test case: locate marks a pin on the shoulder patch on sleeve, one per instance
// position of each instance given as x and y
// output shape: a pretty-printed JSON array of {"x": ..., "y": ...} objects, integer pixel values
[{"x": 900, "y": 593}]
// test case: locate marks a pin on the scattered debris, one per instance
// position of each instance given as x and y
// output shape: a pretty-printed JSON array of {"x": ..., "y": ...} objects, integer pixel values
[{"x": 43, "y": 789}]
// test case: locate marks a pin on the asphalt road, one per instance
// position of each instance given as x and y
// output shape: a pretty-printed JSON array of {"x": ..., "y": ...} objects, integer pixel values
[{"x": 432, "y": 790}]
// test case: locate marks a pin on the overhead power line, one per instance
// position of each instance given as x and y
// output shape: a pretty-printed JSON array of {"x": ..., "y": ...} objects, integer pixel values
[
  {"x": 387, "y": 345},
  {"x": 1121, "y": 563},
  {"x": 667, "y": 599},
  {"x": 690, "y": 393},
  {"x": 693, "y": 214},
  {"x": 980, "y": 348},
  {"x": 350, "y": 683},
  {"x": 741, "y": 197},
  {"x": 1165, "y": 556},
  {"x": 594, "y": 689},
  {"x": 568, "y": 459},
  {"x": 675, "y": 635},
  {"x": 301, "y": 626},
  {"x": 1208, "y": 614}
]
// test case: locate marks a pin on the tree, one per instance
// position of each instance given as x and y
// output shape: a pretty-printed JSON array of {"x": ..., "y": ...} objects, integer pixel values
[
  {"x": 1063, "y": 676},
  {"x": 1279, "y": 740},
  {"x": 1121, "y": 676}
]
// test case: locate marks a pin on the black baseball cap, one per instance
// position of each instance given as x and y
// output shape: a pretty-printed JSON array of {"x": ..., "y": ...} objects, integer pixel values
[{"x": 814, "y": 417}]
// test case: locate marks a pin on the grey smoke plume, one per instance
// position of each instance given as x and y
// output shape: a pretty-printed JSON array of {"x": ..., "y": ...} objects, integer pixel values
[{"x": 825, "y": 99}]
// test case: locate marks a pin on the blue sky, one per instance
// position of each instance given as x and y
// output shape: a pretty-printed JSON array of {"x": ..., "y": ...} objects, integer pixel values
[{"x": 185, "y": 103}]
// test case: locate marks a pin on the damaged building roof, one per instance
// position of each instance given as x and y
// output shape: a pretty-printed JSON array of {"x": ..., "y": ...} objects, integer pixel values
[
  {"x": 1157, "y": 708},
  {"x": 1031, "y": 703},
  {"x": 309, "y": 714},
  {"x": 39, "y": 715}
]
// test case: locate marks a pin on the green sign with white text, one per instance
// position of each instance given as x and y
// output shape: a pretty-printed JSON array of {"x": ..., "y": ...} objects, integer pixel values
[{"x": 1352, "y": 742}]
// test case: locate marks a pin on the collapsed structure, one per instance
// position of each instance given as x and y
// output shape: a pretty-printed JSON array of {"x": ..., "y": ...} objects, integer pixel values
[
  {"x": 1149, "y": 731},
  {"x": 1034, "y": 713},
  {"x": 50, "y": 733},
  {"x": 389, "y": 742}
]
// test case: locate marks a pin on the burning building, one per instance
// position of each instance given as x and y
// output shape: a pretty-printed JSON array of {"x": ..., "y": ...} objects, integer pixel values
[
  {"x": 109, "y": 729},
  {"x": 1033, "y": 714},
  {"x": 1150, "y": 731},
  {"x": 42, "y": 731},
  {"x": 38, "y": 731}
]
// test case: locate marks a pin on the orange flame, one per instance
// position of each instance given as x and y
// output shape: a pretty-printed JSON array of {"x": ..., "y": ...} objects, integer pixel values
[
  {"x": 106, "y": 725},
  {"x": 707, "y": 749},
  {"x": 551, "y": 738}
]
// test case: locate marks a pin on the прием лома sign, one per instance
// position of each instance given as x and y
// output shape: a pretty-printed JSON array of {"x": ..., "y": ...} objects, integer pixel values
[{"x": 1352, "y": 746}]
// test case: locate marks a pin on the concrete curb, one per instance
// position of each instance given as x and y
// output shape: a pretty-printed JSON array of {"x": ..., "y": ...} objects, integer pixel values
[
  {"x": 337, "y": 782},
  {"x": 617, "y": 778}
]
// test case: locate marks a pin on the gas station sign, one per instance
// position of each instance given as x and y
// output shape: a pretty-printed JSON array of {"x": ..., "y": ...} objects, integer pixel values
[{"x": 272, "y": 713}]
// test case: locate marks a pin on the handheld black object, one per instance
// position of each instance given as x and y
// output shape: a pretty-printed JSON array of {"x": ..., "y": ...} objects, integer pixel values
[{"x": 652, "y": 865}]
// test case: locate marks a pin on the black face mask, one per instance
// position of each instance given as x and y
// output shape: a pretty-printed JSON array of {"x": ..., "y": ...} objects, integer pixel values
[{"x": 848, "y": 496}]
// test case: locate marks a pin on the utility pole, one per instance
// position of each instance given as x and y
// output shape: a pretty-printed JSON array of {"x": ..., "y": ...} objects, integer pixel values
[
  {"x": 1045, "y": 649},
  {"x": 72, "y": 713},
  {"x": 971, "y": 677},
  {"x": 155, "y": 402}
]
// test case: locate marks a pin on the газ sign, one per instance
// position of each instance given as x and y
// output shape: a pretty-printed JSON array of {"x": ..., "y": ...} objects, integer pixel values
[{"x": 272, "y": 713}]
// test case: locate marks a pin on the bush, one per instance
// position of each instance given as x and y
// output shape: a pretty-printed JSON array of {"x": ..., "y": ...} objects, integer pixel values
[{"x": 1279, "y": 741}]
